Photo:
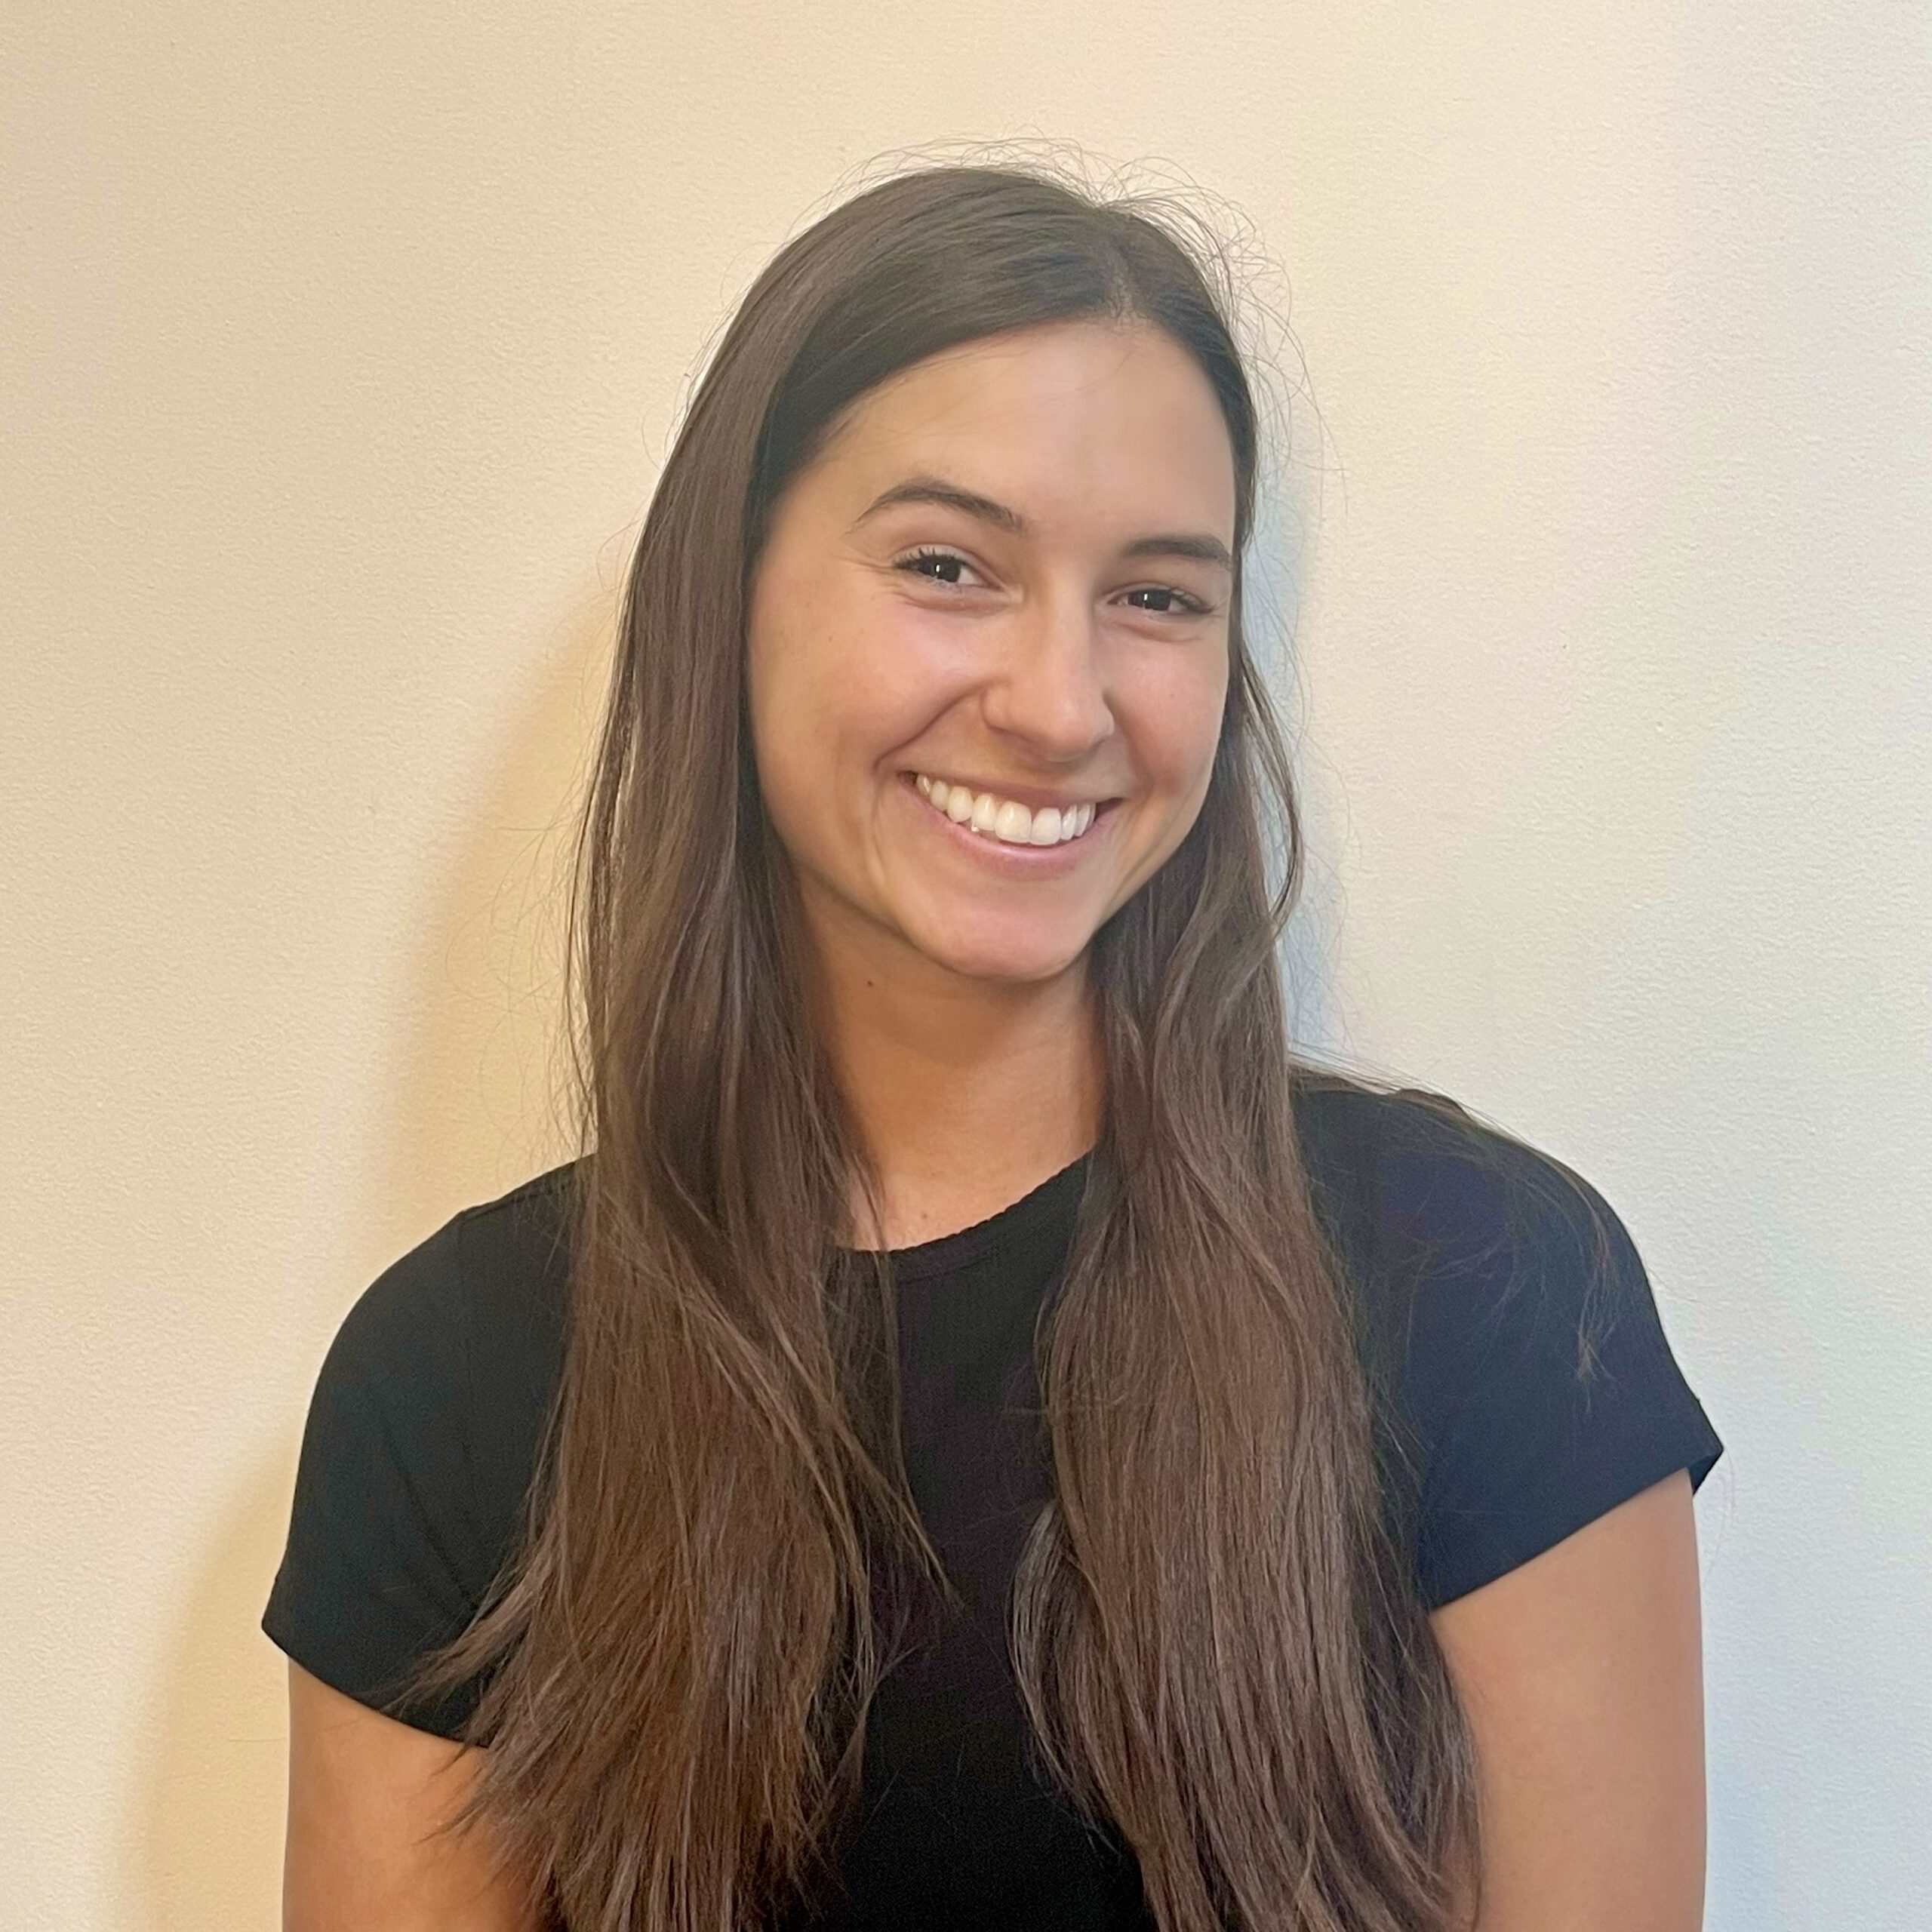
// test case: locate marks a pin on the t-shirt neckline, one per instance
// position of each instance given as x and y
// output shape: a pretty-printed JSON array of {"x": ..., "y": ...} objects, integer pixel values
[{"x": 947, "y": 1253}]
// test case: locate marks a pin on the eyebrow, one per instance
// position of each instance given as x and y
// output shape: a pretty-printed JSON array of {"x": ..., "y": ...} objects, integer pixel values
[{"x": 1198, "y": 545}]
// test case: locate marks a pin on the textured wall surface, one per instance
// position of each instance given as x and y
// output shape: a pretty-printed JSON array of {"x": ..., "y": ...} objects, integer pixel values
[{"x": 338, "y": 354}]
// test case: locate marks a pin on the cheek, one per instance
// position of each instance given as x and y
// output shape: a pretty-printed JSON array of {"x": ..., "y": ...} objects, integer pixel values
[
  {"x": 842, "y": 694},
  {"x": 1176, "y": 713},
  {"x": 793, "y": 675},
  {"x": 826, "y": 719}
]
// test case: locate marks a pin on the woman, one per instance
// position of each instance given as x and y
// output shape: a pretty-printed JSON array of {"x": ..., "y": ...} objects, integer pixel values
[{"x": 986, "y": 1438}]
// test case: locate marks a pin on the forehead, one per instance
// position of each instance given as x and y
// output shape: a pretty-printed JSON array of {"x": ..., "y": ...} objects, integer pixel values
[{"x": 1070, "y": 420}]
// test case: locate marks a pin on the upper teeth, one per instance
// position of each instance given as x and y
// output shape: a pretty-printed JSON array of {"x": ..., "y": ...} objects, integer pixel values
[{"x": 1004, "y": 818}]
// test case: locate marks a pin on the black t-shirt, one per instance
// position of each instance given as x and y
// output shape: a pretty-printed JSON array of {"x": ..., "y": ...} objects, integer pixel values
[{"x": 427, "y": 1414}]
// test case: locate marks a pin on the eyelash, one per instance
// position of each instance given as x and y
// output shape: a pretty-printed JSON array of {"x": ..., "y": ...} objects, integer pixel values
[{"x": 1191, "y": 605}]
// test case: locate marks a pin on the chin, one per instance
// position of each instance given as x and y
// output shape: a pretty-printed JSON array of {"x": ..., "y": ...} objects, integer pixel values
[{"x": 1010, "y": 959}]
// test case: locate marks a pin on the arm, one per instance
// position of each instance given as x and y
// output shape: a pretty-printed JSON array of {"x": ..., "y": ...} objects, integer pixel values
[
  {"x": 362, "y": 1790},
  {"x": 1582, "y": 1673}
]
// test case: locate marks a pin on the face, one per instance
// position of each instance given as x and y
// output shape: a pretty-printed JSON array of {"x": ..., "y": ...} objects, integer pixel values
[{"x": 1006, "y": 575}]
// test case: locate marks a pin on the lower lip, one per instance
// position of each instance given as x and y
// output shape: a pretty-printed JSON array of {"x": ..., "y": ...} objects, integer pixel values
[{"x": 1018, "y": 861}]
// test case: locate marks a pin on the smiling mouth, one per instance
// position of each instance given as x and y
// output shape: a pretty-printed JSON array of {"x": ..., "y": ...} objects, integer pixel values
[{"x": 1008, "y": 821}]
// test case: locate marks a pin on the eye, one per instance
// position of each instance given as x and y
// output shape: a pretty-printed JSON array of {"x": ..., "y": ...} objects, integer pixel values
[
  {"x": 1191, "y": 606},
  {"x": 912, "y": 564},
  {"x": 1185, "y": 604}
]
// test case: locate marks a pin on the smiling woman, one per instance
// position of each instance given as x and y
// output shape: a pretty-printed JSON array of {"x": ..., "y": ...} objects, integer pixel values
[{"x": 983, "y": 1434}]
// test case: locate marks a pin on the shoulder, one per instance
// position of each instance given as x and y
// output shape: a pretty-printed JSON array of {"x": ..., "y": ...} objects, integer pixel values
[
  {"x": 504, "y": 1256},
  {"x": 469, "y": 1320},
  {"x": 421, "y": 1439},
  {"x": 1523, "y": 1380},
  {"x": 1409, "y": 1182},
  {"x": 1451, "y": 1218}
]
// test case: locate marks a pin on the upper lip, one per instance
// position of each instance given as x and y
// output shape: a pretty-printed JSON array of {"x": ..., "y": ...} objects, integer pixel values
[{"x": 1031, "y": 796}]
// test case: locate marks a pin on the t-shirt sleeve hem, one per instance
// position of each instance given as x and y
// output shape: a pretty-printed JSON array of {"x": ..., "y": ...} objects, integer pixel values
[
  {"x": 444, "y": 1717},
  {"x": 1478, "y": 1560}
]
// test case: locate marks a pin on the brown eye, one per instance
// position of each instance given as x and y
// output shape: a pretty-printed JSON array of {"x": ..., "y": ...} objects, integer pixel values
[
  {"x": 912, "y": 565},
  {"x": 1190, "y": 606}
]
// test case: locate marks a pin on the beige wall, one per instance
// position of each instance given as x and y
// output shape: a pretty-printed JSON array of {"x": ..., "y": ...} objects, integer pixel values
[{"x": 340, "y": 349}]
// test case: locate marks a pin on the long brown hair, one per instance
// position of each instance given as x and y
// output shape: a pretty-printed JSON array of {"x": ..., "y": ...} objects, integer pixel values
[{"x": 1217, "y": 1635}]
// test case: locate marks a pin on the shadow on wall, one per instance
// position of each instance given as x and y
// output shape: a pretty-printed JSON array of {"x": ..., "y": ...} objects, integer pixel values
[{"x": 472, "y": 1108}]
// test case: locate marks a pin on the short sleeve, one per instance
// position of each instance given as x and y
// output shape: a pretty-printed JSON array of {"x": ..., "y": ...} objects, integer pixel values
[
  {"x": 388, "y": 1554},
  {"x": 1540, "y": 1380}
]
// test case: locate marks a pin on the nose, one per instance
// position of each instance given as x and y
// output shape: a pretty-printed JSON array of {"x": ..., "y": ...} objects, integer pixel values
[{"x": 1049, "y": 692}]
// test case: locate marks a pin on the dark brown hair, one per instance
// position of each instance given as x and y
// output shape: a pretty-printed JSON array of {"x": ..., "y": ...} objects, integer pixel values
[{"x": 1217, "y": 1635}]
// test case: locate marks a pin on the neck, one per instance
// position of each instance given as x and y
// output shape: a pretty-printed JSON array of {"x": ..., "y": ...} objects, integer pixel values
[{"x": 967, "y": 1093}]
